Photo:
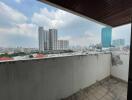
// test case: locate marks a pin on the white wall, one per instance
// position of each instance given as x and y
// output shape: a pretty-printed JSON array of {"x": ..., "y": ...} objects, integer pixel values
[
  {"x": 121, "y": 71},
  {"x": 51, "y": 78}
]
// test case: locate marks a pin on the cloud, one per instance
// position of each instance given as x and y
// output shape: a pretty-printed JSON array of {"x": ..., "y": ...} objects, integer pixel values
[
  {"x": 28, "y": 29},
  {"x": 53, "y": 19},
  {"x": 15, "y": 40},
  {"x": 65, "y": 38},
  {"x": 122, "y": 32},
  {"x": 10, "y": 16},
  {"x": 14, "y": 22},
  {"x": 23, "y": 35},
  {"x": 22, "y": 29},
  {"x": 18, "y": 1},
  {"x": 77, "y": 30},
  {"x": 83, "y": 40}
]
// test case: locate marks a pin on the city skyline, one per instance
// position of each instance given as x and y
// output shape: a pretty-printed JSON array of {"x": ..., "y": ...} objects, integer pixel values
[
  {"x": 19, "y": 26},
  {"x": 118, "y": 42}
]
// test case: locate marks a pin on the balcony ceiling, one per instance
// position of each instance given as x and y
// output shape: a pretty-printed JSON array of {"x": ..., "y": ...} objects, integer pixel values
[{"x": 110, "y": 12}]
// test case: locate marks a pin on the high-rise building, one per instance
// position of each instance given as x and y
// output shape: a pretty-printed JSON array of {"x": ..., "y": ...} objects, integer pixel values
[
  {"x": 48, "y": 40},
  {"x": 63, "y": 45},
  {"x": 43, "y": 39},
  {"x": 106, "y": 36},
  {"x": 118, "y": 42},
  {"x": 52, "y": 39}
]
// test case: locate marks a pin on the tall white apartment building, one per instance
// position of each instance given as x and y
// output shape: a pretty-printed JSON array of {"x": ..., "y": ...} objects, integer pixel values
[
  {"x": 46, "y": 40},
  {"x": 43, "y": 39},
  {"x": 63, "y": 45},
  {"x": 53, "y": 39}
]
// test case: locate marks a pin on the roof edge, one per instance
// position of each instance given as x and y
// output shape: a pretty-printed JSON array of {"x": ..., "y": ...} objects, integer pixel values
[{"x": 73, "y": 12}]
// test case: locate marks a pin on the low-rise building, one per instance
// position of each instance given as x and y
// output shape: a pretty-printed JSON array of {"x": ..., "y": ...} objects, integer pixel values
[{"x": 63, "y": 45}]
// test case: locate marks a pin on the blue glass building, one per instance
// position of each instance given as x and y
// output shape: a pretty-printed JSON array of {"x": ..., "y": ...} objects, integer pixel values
[{"x": 106, "y": 37}]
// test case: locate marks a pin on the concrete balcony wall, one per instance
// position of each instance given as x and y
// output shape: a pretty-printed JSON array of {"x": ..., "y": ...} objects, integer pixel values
[
  {"x": 51, "y": 78},
  {"x": 121, "y": 71}
]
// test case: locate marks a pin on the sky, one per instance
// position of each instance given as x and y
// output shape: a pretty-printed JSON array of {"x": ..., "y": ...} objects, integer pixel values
[{"x": 20, "y": 19}]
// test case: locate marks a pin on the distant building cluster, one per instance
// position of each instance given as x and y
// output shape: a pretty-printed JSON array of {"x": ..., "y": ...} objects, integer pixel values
[
  {"x": 118, "y": 42},
  {"x": 17, "y": 50},
  {"x": 48, "y": 40},
  {"x": 106, "y": 39}
]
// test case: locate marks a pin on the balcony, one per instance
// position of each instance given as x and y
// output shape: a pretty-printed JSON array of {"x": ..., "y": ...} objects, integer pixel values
[
  {"x": 107, "y": 89},
  {"x": 76, "y": 77}
]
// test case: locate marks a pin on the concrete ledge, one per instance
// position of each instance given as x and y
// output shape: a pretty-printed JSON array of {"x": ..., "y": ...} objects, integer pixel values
[{"x": 51, "y": 78}]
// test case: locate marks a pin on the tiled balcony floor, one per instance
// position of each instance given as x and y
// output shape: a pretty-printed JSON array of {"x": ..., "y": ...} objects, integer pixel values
[{"x": 108, "y": 89}]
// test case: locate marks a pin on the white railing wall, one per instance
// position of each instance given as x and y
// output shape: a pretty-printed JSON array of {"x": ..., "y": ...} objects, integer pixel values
[
  {"x": 51, "y": 78},
  {"x": 121, "y": 71}
]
